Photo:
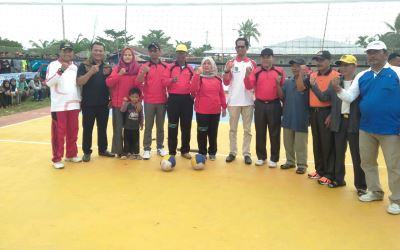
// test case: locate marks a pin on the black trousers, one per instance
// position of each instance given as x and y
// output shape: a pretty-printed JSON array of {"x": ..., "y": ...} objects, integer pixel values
[
  {"x": 89, "y": 116},
  {"x": 268, "y": 115},
  {"x": 131, "y": 141},
  {"x": 323, "y": 142},
  {"x": 2, "y": 100},
  {"x": 179, "y": 110},
  {"x": 207, "y": 127},
  {"x": 341, "y": 139}
]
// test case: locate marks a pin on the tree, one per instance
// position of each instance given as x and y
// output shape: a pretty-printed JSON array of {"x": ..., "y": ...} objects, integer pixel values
[
  {"x": 156, "y": 36},
  {"x": 44, "y": 47},
  {"x": 199, "y": 52},
  {"x": 115, "y": 40},
  {"x": 248, "y": 30},
  {"x": 10, "y": 43}
]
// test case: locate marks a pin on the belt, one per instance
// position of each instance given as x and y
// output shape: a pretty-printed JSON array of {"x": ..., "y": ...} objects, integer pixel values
[
  {"x": 317, "y": 109},
  {"x": 268, "y": 101},
  {"x": 346, "y": 116}
]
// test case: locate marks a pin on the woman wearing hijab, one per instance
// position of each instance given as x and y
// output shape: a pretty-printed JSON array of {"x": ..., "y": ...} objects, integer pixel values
[
  {"x": 209, "y": 103},
  {"x": 6, "y": 92},
  {"x": 121, "y": 80}
]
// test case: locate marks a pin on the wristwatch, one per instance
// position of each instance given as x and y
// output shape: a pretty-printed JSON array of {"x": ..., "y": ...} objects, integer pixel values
[{"x": 61, "y": 70}]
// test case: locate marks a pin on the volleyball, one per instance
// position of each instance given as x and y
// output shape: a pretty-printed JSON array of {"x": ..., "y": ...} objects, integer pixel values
[
  {"x": 198, "y": 162},
  {"x": 168, "y": 163}
]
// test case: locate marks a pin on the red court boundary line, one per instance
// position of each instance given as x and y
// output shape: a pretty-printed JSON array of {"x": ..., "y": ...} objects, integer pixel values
[{"x": 24, "y": 116}]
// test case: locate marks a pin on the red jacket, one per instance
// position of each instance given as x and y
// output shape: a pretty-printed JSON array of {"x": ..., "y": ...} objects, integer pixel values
[
  {"x": 209, "y": 94},
  {"x": 182, "y": 86},
  {"x": 154, "y": 90},
  {"x": 120, "y": 86},
  {"x": 264, "y": 82}
]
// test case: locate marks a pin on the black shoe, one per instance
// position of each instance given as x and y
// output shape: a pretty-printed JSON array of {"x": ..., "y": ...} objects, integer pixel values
[
  {"x": 247, "y": 160},
  {"x": 86, "y": 157},
  {"x": 230, "y": 158},
  {"x": 301, "y": 170},
  {"x": 335, "y": 184},
  {"x": 287, "y": 166},
  {"x": 106, "y": 154}
]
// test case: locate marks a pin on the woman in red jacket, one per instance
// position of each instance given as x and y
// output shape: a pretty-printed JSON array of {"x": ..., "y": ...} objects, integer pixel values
[
  {"x": 121, "y": 80},
  {"x": 210, "y": 101}
]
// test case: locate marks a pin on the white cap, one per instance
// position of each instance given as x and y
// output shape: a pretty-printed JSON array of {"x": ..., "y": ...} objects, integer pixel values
[{"x": 376, "y": 45}]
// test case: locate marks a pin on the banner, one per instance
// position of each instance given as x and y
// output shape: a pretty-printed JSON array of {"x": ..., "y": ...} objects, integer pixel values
[{"x": 8, "y": 76}]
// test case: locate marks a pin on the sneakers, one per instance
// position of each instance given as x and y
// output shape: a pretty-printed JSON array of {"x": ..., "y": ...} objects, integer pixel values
[
  {"x": 161, "y": 152},
  {"x": 247, "y": 160},
  {"x": 146, "y": 155},
  {"x": 73, "y": 159},
  {"x": 301, "y": 170},
  {"x": 287, "y": 166},
  {"x": 272, "y": 164},
  {"x": 58, "y": 165},
  {"x": 212, "y": 157},
  {"x": 106, "y": 154},
  {"x": 186, "y": 156},
  {"x": 314, "y": 175},
  {"x": 324, "y": 181},
  {"x": 260, "y": 162},
  {"x": 230, "y": 158},
  {"x": 361, "y": 192},
  {"x": 393, "y": 208},
  {"x": 371, "y": 196},
  {"x": 86, "y": 157},
  {"x": 335, "y": 184}
]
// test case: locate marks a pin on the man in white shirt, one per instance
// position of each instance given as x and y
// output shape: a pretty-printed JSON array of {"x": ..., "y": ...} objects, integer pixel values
[
  {"x": 240, "y": 100},
  {"x": 65, "y": 106}
]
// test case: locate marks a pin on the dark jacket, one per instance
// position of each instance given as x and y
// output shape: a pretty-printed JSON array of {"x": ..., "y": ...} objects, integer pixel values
[{"x": 336, "y": 110}]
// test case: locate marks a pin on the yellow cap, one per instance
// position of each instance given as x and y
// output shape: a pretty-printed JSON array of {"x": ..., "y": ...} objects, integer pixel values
[
  {"x": 181, "y": 47},
  {"x": 349, "y": 59}
]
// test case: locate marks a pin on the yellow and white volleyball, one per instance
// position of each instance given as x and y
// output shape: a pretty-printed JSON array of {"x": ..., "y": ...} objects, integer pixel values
[
  {"x": 168, "y": 163},
  {"x": 198, "y": 162}
]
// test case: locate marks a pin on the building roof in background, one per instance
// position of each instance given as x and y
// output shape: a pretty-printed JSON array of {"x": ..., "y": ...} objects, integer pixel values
[{"x": 301, "y": 46}]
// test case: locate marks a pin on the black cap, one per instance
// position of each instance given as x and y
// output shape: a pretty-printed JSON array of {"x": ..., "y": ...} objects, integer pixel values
[
  {"x": 297, "y": 61},
  {"x": 267, "y": 52},
  {"x": 393, "y": 56},
  {"x": 153, "y": 45},
  {"x": 66, "y": 45},
  {"x": 323, "y": 54}
]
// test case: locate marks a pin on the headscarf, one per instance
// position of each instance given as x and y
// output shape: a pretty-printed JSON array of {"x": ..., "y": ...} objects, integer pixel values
[
  {"x": 132, "y": 68},
  {"x": 214, "y": 69}
]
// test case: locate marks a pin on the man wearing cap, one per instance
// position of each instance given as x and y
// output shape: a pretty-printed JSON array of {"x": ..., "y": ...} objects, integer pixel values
[
  {"x": 92, "y": 74},
  {"x": 345, "y": 118},
  {"x": 240, "y": 100},
  {"x": 379, "y": 90},
  {"x": 180, "y": 102},
  {"x": 151, "y": 74},
  {"x": 394, "y": 59},
  {"x": 266, "y": 81},
  {"x": 323, "y": 143},
  {"x": 295, "y": 120},
  {"x": 65, "y": 106}
]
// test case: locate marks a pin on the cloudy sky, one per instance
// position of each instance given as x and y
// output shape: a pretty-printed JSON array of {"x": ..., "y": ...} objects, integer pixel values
[{"x": 186, "y": 20}]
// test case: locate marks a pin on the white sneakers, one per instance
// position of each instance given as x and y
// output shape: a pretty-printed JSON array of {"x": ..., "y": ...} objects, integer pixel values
[
  {"x": 272, "y": 164},
  {"x": 146, "y": 155},
  {"x": 260, "y": 162},
  {"x": 73, "y": 159},
  {"x": 161, "y": 152},
  {"x": 60, "y": 165},
  {"x": 370, "y": 196},
  {"x": 393, "y": 208}
]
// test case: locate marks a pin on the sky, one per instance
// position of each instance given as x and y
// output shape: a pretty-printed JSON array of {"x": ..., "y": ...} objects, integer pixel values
[{"x": 200, "y": 24}]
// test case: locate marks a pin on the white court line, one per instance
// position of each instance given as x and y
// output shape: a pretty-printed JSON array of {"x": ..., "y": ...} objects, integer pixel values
[
  {"x": 18, "y": 123},
  {"x": 154, "y": 150}
]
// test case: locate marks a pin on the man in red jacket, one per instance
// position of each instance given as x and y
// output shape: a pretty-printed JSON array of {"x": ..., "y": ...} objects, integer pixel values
[{"x": 180, "y": 102}]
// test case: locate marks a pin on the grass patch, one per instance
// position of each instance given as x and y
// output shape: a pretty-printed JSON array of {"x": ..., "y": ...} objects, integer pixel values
[{"x": 25, "y": 106}]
